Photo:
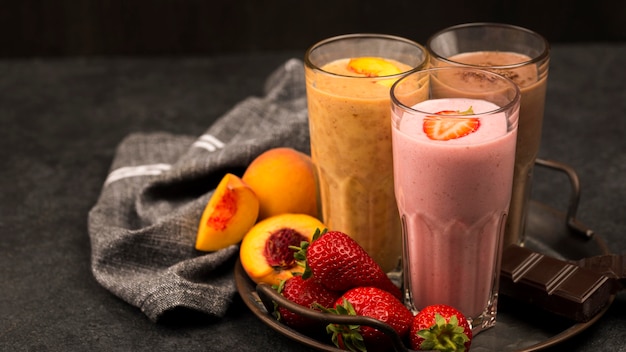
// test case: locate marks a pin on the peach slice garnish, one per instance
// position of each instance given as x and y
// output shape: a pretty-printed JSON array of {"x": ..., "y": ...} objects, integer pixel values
[
  {"x": 373, "y": 67},
  {"x": 229, "y": 214},
  {"x": 264, "y": 252}
]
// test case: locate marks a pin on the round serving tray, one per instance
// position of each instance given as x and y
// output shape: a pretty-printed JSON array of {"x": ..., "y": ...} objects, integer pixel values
[{"x": 519, "y": 327}]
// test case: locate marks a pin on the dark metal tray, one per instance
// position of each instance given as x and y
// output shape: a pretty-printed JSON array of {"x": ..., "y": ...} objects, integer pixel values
[{"x": 519, "y": 327}]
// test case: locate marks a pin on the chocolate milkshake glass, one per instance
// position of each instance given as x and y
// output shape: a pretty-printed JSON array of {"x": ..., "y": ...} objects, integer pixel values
[
  {"x": 347, "y": 81},
  {"x": 454, "y": 131},
  {"x": 523, "y": 56}
]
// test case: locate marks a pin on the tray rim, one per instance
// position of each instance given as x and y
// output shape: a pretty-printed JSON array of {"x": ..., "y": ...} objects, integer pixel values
[{"x": 247, "y": 291}]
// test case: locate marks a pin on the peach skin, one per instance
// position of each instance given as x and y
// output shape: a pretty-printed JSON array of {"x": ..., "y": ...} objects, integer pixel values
[{"x": 284, "y": 181}]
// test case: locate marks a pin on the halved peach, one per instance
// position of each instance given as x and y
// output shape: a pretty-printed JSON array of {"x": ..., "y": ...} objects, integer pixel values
[
  {"x": 264, "y": 252},
  {"x": 229, "y": 214},
  {"x": 284, "y": 181}
]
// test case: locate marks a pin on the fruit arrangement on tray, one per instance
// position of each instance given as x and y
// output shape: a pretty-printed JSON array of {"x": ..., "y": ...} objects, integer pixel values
[
  {"x": 272, "y": 211},
  {"x": 324, "y": 285}
]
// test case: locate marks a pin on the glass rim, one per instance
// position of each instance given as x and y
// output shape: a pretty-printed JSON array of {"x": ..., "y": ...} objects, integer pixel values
[
  {"x": 515, "y": 101},
  {"x": 544, "y": 55},
  {"x": 319, "y": 44}
]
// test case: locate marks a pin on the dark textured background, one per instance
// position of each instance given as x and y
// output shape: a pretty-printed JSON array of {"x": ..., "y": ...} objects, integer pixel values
[{"x": 183, "y": 27}]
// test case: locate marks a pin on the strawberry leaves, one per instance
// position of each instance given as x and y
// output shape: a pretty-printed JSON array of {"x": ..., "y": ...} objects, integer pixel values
[
  {"x": 444, "y": 335},
  {"x": 346, "y": 337},
  {"x": 440, "y": 327},
  {"x": 300, "y": 254}
]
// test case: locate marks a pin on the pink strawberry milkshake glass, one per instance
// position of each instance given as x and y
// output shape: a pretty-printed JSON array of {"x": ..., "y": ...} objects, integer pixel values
[
  {"x": 454, "y": 134},
  {"x": 523, "y": 56},
  {"x": 348, "y": 79}
]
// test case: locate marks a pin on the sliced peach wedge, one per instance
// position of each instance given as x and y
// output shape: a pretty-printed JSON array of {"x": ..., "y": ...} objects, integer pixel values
[
  {"x": 229, "y": 214},
  {"x": 265, "y": 254},
  {"x": 374, "y": 67}
]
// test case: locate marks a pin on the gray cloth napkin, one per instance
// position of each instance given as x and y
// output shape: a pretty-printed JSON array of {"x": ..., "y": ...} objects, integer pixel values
[{"x": 143, "y": 226}]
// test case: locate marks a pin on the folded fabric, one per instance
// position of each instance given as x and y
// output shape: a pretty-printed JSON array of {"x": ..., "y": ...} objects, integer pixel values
[{"x": 143, "y": 226}]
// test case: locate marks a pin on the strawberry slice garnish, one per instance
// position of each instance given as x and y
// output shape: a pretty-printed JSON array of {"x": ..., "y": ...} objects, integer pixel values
[{"x": 443, "y": 128}]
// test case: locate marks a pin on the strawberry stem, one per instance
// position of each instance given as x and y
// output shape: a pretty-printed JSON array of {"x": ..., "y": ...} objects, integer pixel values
[
  {"x": 444, "y": 335},
  {"x": 347, "y": 337},
  {"x": 469, "y": 111},
  {"x": 300, "y": 253}
]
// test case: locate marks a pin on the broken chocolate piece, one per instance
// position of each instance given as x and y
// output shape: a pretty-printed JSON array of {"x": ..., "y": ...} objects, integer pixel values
[
  {"x": 611, "y": 265},
  {"x": 554, "y": 285}
]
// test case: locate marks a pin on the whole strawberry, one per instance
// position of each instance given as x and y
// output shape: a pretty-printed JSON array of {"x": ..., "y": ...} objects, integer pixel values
[
  {"x": 370, "y": 302},
  {"x": 339, "y": 263},
  {"x": 307, "y": 293},
  {"x": 442, "y": 328}
]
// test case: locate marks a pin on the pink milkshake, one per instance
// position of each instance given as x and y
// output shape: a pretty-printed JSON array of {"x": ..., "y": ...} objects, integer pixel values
[{"x": 453, "y": 194}]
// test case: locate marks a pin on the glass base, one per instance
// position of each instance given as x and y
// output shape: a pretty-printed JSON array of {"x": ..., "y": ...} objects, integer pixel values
[{"x": 487, "y": 319}]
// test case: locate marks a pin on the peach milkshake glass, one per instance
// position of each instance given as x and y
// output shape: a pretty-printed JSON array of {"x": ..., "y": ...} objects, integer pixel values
[
  {"x": 523, "y": 56},
  {"x": 454, "y": 133},
  {"x": 347, "y": 81}
]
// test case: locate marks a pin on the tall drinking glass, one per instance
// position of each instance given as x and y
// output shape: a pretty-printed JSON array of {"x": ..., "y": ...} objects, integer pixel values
[
  {"x": 348, "y": 79},
  {"x": 454, "y": 132},
  {"x": 523, "y": 56}
]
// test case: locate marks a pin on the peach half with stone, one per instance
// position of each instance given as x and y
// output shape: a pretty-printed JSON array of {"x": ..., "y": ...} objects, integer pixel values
[{"x": 265, "y": 252}]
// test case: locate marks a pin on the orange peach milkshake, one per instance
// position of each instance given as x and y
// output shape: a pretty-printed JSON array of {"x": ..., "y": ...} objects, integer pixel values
[{"x": 348, "y": 80}]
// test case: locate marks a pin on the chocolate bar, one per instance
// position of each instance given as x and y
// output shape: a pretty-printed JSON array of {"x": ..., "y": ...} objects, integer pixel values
[
  {"x": 611, "y": 265},
  {"x": 561, "y": 287}
]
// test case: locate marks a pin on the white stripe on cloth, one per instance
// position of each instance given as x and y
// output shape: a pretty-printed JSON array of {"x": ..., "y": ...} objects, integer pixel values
[
  {"x": 209, "y": 143},
  {"x": 134, "y": 171}
]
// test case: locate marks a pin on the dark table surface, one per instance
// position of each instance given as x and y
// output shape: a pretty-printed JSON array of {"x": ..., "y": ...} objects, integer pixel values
[{"x": 61, "y": 120}]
